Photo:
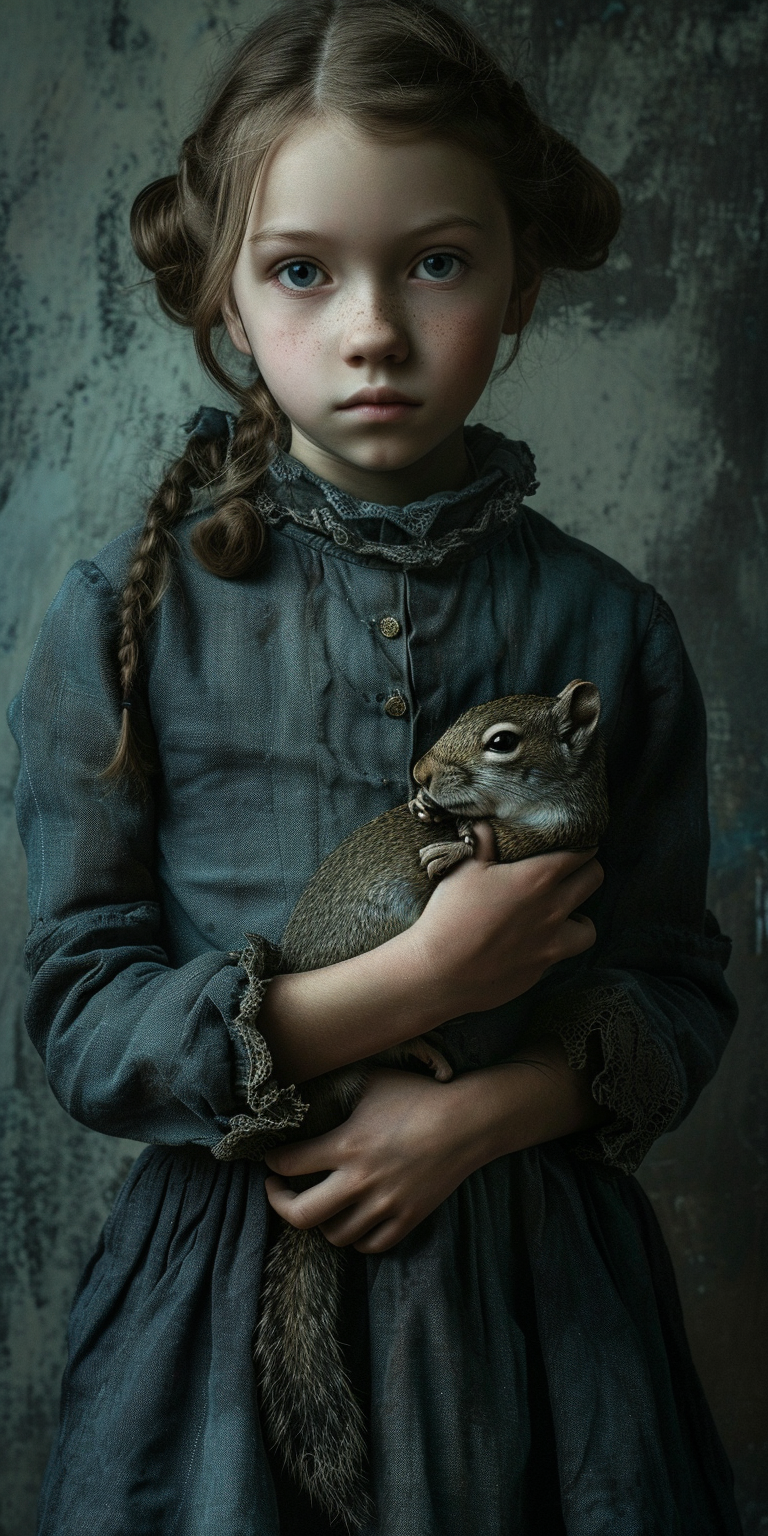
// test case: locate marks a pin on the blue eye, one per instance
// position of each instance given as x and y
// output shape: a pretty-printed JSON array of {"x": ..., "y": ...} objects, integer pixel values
[
  {"x": 300, "y": 274},
  {"x": 440, "y": 268}
]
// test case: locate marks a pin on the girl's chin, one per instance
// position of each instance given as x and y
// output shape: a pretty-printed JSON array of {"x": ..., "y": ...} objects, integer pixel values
[
  {"x": 381, "y": 451},
  {"x": 376, "y": 447}
]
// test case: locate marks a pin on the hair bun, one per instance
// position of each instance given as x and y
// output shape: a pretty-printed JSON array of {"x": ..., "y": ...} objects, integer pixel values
[
  {"x": 163, "y": 244},
  {"x": 584, "y": 213}
]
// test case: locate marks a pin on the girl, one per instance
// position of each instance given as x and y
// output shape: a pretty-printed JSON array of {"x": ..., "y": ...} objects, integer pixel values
[{"x": 324, "y": 582}]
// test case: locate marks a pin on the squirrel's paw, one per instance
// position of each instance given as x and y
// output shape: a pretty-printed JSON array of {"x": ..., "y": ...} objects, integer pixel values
[
  {"x": 424, "y": 1051},
  {"x": 420, "y": 1049},
  {"x": 423, "y": 807},
  {"x": 438, "y": 858}
]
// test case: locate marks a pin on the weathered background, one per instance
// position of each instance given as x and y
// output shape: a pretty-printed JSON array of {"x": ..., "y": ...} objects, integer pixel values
[{"x": 642, "y": 392}]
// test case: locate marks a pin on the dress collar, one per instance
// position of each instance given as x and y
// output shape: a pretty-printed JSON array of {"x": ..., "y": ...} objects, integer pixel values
[{"x": 422, "y": 533}]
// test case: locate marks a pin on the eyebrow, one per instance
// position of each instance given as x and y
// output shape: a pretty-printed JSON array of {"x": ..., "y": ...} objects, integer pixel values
[{"x": 301, "y": 236}]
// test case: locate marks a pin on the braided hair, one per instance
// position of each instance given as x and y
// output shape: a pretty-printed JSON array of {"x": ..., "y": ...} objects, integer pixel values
[{"x": 392, "y": 67}]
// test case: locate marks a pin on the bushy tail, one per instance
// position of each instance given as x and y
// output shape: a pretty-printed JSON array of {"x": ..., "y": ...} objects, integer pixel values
[{"x": 311, "y": 1416}]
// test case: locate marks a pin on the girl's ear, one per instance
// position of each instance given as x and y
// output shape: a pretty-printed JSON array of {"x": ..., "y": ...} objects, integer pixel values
[
  {"x": 522, "y": 301},
  {"x": 521, "y": 307},
  {"x": 231, "y": 317}
]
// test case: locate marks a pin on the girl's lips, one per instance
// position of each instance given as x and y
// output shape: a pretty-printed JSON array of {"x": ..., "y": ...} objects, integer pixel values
[
  {"x": 388, "y": 410},
  {"x": 380, "y": 404}
]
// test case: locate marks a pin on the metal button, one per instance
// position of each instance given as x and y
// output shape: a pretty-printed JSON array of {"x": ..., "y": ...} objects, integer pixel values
[
  {"x": 389, "y": 628},
  {"x": 395, "y": 706}
]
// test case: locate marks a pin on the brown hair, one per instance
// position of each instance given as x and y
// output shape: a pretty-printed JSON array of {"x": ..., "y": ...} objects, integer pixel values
[{"x": 390, "y": 66}]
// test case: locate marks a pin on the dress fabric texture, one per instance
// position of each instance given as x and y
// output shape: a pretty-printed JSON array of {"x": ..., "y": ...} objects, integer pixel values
[{"x": 527, "y": 1368}]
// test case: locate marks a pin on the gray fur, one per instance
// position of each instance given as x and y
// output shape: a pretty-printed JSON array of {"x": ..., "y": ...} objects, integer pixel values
[
  {"x": 548, "y": 793},
  {"x": 319, "y": 1428}
]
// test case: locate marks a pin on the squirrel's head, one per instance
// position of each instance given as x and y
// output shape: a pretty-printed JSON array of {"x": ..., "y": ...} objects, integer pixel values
[{"x": 510, "y": 755}]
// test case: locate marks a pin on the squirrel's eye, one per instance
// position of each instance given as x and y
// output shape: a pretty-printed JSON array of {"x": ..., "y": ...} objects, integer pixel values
[{"x": 503, "y": 741}]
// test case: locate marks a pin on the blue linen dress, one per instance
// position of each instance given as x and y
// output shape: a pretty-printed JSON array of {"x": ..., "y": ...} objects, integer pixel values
[{"x": 267, "y": 697}]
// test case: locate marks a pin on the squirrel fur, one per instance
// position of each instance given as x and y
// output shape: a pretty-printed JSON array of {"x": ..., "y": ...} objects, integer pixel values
[{"x": 534, "y": 767}]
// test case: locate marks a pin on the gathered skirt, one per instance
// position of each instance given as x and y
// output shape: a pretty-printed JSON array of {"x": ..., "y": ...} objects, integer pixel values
[{"x": 521, "y": 1356}]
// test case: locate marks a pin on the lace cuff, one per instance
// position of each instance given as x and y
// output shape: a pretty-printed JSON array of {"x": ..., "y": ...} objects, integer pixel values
[
  {"x": 273, "y": 1110},
  {"x": 636, "y": 1079}
]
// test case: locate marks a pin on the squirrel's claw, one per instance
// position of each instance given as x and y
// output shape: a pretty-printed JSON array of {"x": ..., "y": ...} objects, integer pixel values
[{"x": 425, "y": 809}]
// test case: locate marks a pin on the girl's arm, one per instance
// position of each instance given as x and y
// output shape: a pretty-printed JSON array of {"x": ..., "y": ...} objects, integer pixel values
[
  {"x": 649, "y": 1004},
  {"x": 410, "y": 1142},
  {"x": 486, "y": 936},
  {"x": 132, "y": 1045}
]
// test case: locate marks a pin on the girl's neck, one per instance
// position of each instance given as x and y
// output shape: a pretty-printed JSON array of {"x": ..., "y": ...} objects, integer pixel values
[{"x": 445, "y": 468}]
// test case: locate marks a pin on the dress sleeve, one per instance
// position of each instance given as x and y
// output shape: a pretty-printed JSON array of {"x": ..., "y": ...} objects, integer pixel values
[
  {"x": 649, "y": 1011},
  {"x": 132, "y": 1045}
]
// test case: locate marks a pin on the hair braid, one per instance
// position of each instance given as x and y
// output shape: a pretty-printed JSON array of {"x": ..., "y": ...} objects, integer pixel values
[
  {"x": 147, "y": 580},
  {"x": 228, "y": 544}
]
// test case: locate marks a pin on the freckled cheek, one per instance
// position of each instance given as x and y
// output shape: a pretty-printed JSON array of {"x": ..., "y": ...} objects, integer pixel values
[
  {"x": 291, "y": 359},
  {"x": 461, "y": 347}
]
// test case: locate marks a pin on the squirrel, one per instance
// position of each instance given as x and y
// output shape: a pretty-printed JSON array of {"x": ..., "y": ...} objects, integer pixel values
[{"x": 534, "y": 767}]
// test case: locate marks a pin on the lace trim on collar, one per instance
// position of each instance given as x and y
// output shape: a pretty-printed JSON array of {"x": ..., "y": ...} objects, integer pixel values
[
  {"x": 511, "y": 467},
  {"x": 501, "y": 510}
]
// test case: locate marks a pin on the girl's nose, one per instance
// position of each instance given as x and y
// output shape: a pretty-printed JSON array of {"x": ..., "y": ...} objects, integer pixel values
[{"x": 374, "y": 333}]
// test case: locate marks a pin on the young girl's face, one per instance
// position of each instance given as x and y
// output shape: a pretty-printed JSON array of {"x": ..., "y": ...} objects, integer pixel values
[{"x": 372, "y": 288}]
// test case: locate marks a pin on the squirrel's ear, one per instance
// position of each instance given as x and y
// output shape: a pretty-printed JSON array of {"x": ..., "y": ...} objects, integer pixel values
[{"x": 576, "y": 713}]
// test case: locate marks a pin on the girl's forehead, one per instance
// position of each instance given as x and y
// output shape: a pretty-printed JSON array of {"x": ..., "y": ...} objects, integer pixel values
[{"x": 328, "y": 172}]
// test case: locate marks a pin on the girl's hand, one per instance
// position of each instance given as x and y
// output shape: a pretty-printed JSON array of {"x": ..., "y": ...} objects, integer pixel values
[
  {"x": 411, "y": 1141},
  {"x": 490, "y": 931},
  {"x": 400, "y": 1153}
]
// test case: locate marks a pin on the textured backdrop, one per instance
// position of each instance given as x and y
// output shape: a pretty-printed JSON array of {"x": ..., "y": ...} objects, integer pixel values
[{"x": 642, "y": 392}]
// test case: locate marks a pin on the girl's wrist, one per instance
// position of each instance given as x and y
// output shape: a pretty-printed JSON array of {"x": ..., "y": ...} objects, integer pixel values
[
  {"x": 480, "y": 1114},
  {"x": 499, "y": 1110}
]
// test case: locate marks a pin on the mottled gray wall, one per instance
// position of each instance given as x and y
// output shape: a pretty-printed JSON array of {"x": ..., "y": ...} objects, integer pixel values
[{"x": 642, "y": 392}]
